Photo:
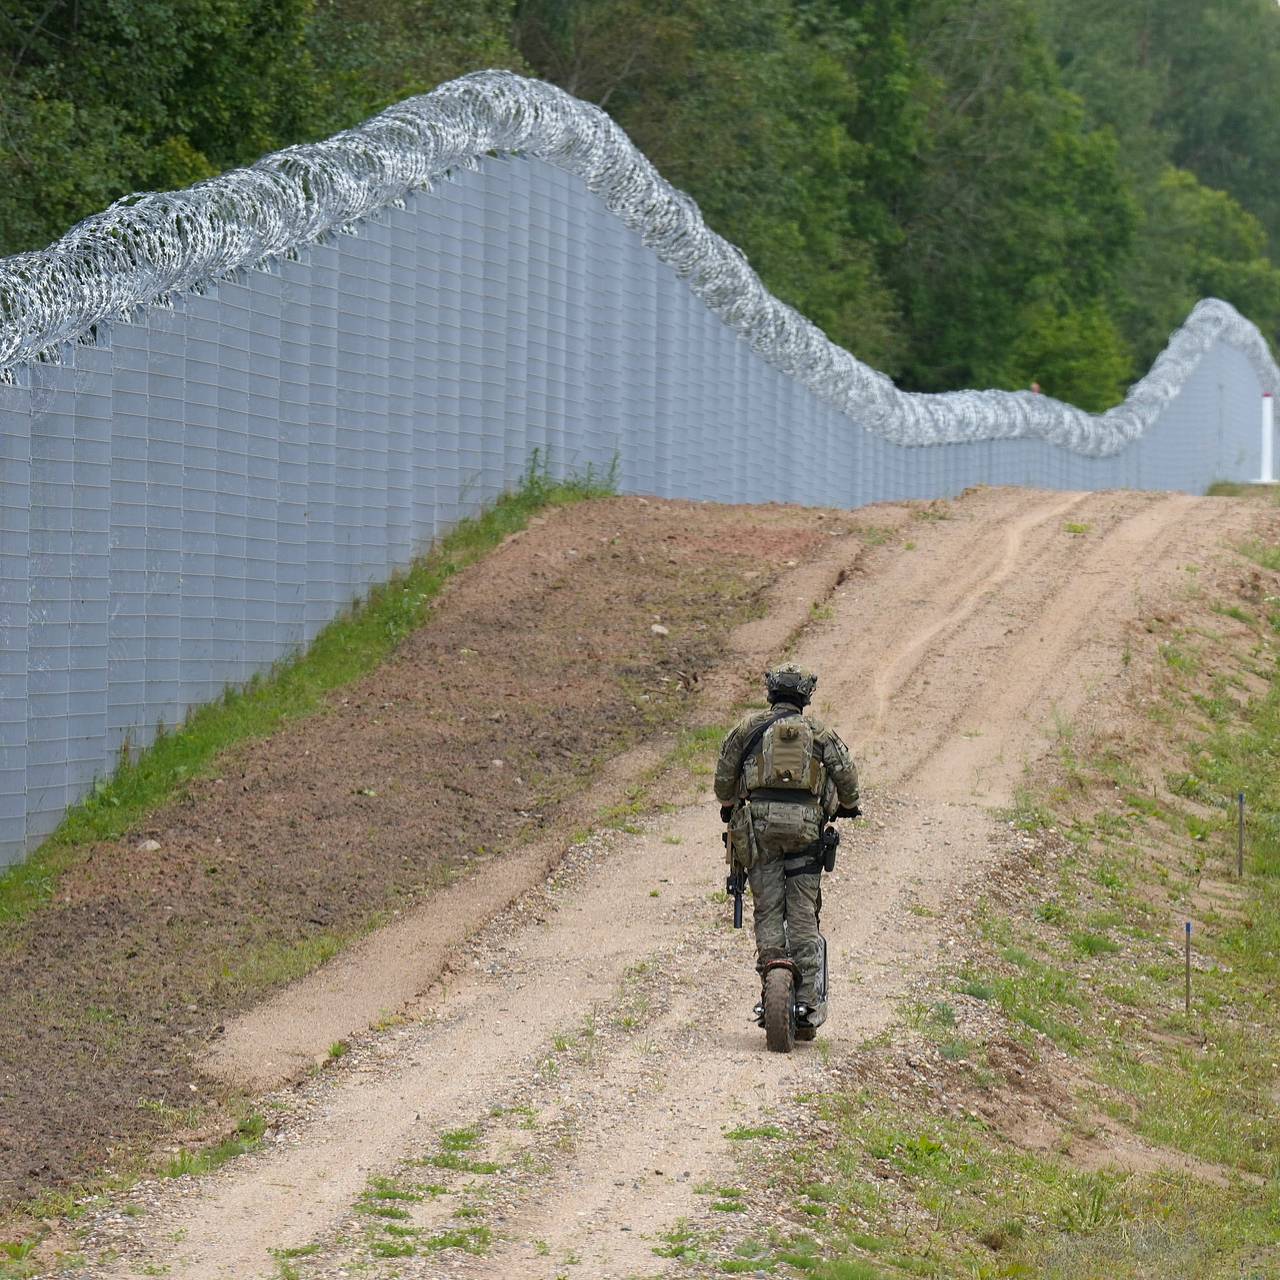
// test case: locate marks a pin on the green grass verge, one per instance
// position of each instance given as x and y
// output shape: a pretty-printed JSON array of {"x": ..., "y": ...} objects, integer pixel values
[
  {"x": 898, "y": 1194},
  {"x": 1241, "y": 489},
  {"x": 345, "y": 650}
]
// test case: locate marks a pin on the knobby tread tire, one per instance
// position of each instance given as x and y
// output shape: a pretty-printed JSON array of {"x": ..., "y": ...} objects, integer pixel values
[{"x": 779, "y": 1010}]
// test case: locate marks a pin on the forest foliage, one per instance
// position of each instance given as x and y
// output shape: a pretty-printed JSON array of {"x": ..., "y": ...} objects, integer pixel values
[{"x": 963, "y": 192}]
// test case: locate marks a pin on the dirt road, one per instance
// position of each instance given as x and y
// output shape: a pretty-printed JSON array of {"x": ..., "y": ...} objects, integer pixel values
[{"x": 569, "y": 1091}]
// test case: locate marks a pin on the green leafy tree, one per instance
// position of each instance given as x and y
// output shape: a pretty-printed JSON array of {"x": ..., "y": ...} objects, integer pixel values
[
  {"x": 1195, "y": 243},
  {"x": 963, "y": 192},
  {"x": 1188, "y": 87},
  {"x": 103, "y": 99},
  {"x": 1222, "y": 92},
  {"x": 100, "y": 100},
  {"x": 1075, "y": 354},
  {"x": 370, "y": 53},
  {"x": 1017, "y": 201},
  {"x": 746, "y": 107}
]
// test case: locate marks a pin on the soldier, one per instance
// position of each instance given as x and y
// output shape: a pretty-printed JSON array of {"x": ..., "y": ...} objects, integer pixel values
[{"x": 781, "y": 776}]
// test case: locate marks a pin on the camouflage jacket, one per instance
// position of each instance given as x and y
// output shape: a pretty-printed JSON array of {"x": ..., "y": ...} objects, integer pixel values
[{"x": 840, "y": 788}]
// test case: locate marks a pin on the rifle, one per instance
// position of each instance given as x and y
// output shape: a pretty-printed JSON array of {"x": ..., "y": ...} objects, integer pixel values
[
  {"x": 736, "y": 881},
  {"x": 735, "y": 884}
]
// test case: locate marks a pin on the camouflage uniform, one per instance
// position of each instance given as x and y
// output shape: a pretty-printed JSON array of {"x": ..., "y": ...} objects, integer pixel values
[{"x": 786, "y": 907}]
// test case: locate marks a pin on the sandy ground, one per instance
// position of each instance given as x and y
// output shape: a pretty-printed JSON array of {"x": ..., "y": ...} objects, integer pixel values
[{"x": 595, "y": 1034}]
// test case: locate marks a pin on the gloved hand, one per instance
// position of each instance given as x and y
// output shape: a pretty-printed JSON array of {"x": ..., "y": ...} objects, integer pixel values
[
  {"x": 852, "y": 812},
  {"x": 726, "y": 812}
]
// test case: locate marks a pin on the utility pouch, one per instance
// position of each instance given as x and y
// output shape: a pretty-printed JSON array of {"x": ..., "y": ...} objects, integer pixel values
[
  {"x": 790, "y": 826},
  {"x": 741, "y": 840}
]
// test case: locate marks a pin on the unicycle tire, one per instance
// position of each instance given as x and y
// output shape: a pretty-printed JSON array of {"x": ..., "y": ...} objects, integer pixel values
[{"x": 779, "y": 1010}]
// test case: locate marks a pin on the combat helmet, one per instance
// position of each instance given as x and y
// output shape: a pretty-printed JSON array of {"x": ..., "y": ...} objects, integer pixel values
[{"x": 789, "y": 682}]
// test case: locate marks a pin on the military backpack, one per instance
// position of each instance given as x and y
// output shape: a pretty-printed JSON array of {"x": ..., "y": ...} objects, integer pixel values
[{"x": 786, "y": 759}]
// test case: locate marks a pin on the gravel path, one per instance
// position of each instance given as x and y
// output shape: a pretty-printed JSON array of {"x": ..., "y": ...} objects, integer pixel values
[{"x": 563, "y": 1095}]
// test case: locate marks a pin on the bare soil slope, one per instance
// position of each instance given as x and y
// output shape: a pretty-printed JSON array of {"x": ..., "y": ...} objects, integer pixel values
[
  {"x": 580, "y": 1073},
  {"x": 539, "y": 664}
]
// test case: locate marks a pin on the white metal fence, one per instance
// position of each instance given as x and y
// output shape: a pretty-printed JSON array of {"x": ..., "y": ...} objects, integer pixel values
[{"x": 194, "y": 493}]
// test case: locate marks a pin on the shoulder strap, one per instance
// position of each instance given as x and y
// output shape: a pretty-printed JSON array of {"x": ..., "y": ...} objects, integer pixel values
[{"x": 758, "y": 736}]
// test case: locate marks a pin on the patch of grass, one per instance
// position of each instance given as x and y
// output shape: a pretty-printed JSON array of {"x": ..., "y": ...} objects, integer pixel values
[
  {"x": 1076, "y": 529},
  {"x": 174, "y": 1117},
  {"x": 276, "y": 963},
  {"x": 393, "y": 1249},
  {"x": 473, "y": 1240},
  {"x": 1242, "y": 489},
  {"x": 344, "y": 651},
  {"x": 460, "y": 1164},
  {"x": 1236, "y": 612},
  {"x": 875, "y": 535},
  {"x": 454, "y": 1144},
  {"x": 978, "y": 989},
  {"x": 1027, "y": 813},
  {"x": 460, "y": 1139},
  {"x": 1040, "y": 996},
  {"x": 680, "y": 1242},
  {"x": 957, "y": 1050},
  {"x": 296, "y": 1251},
  {"x": 1263, "y": 553},
  {"x": 696, "y": 746},
  {"x": 728, "y": 1200},
  {"x": 338, "y": 1049},
  {"x": 1053, "y": 913},
  {"x": 17, "y": 1261},
  {"x": 750, "y": 1134},
  {"x": 1093, "y": 944},
  {"x": 384, "y": 1188},
  {"x": 941, "y": 1014},
  {"x": 247, "y": 1137},
  {"x": 1179, "y": 659}
]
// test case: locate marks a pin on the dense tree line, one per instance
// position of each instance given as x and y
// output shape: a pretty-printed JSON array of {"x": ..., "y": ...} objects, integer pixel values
[{"x": 963, "y": 192}]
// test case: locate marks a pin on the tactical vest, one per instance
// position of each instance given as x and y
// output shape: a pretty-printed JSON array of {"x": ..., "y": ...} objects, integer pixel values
[{"x": 786, "y": 760}]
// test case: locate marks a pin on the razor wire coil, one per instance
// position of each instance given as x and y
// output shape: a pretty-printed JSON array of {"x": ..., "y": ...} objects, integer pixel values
[{"x": 147, "y": 247}]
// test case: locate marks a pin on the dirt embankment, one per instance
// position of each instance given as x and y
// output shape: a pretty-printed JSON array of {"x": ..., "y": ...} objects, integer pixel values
[
  {"x": 578, "y": 639},
  {"x": 581, "y": 1071}
]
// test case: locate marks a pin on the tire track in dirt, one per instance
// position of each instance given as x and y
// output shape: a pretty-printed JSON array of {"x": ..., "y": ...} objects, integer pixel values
[
  {"x": 1050, "y": 668},
  {"x": 976, "y": 636},
  {"x": 971, "y": 591}
]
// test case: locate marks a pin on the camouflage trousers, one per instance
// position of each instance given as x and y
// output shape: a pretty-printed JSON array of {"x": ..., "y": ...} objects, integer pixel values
[{"x": 786, "y": 919}]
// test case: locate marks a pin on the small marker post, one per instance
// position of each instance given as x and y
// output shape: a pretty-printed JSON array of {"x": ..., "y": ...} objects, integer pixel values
[
  {"x": 1240, "y": 837},
  {"x": 1188, "y": 954}
]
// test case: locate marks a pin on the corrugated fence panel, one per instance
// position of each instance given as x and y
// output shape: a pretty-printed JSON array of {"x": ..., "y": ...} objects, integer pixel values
[{"x": 193, "y": 498}]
